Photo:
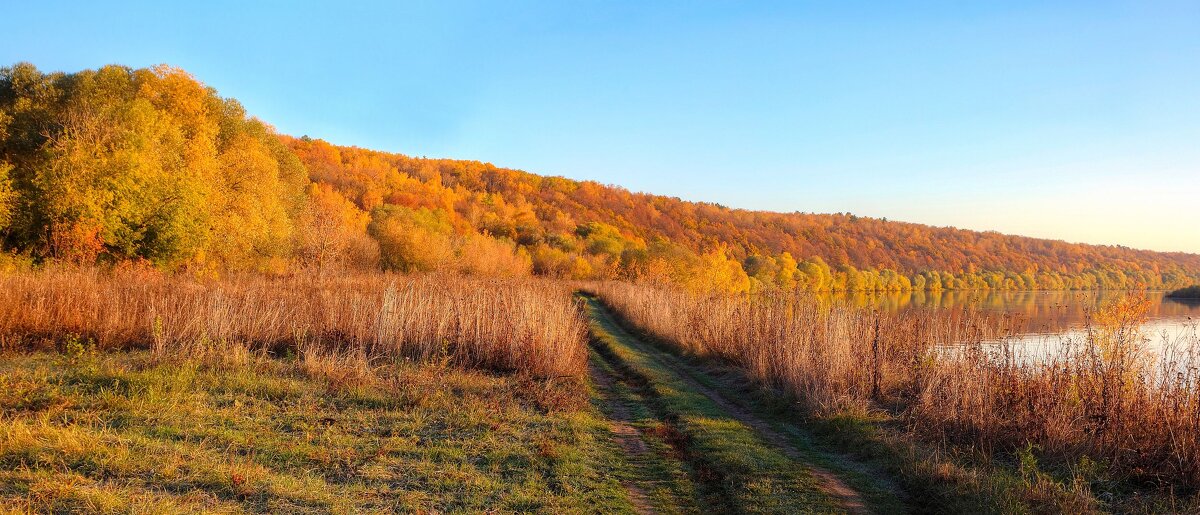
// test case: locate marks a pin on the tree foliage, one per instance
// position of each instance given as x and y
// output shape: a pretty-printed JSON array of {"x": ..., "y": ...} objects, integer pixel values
[
  {"x": 581, "y": 229},
  {"x": 123, "y": 164},
  {"x": 117, "y": 164}
]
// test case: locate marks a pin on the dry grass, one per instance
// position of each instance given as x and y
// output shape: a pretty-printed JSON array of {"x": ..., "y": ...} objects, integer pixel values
[
  {"x": 529, "y": 326},
  {"x": 1100, "y": 400},
  {"x": 835, "y": 358},
  {"x": 1102, "y": 407}
]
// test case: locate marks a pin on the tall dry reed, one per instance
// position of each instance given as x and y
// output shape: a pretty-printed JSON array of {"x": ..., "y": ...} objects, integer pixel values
[
  {"x": 1102, "y": 396},
  {"x": 1110, "y": 392},
  {"x": 530, "y": 326},
  {"x": 833, "y": 357}
]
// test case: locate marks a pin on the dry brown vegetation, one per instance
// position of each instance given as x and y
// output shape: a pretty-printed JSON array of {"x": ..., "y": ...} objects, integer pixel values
[
  {"x": 530, "y": 326},
  {"x": 1104, "y": 396},
  {"x": 1102, "y": 404},
  {"x": 832, "y": 357}
]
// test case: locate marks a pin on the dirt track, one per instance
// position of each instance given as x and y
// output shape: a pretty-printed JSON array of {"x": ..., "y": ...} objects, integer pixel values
[{"x": 777, "y": 436}]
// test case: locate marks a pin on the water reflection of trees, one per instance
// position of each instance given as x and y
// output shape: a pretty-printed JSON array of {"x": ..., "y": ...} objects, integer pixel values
[
  {"x": 1190, "y": 302},
  {"x": 1039, "y": 311}
]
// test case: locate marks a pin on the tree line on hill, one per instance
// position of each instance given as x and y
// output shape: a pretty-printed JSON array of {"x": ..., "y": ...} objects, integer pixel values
[{"x": 121, "y": 164}]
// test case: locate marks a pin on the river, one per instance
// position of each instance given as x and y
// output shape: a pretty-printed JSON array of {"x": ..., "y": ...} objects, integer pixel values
[
  {"x": 1040, "y": 312},
  {"x": 1047, "y": 321}
]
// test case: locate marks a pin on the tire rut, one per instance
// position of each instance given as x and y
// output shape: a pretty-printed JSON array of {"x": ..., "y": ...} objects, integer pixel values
[{"x": 625, "y": 435}]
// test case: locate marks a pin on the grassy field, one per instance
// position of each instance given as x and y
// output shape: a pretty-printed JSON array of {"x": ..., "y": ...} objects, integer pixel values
[
  {"x": 132, "y": 431},
  {"x": 136, "y": 391},
  {"x": 119, "y": 432}
]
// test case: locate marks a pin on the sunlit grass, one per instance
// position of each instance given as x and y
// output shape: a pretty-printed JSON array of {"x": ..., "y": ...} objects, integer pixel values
[{"x": 119, "y": 432}]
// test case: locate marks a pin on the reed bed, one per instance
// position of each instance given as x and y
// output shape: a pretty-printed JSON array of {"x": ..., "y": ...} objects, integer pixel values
[
  {"x": 528, "y": 326},
  {"x": 1103, "y": 400},
  {"x": 1109, "y": 395},
  {"x": 834, "y": 358}
]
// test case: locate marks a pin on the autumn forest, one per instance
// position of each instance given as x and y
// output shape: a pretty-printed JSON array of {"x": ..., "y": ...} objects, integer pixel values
[{"x": 151, "y": 166}]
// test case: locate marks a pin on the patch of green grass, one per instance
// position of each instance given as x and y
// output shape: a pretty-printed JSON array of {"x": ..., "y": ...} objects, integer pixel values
[
  {"x": 753, "y": 476},
  {"x": 121, "y": 432}
]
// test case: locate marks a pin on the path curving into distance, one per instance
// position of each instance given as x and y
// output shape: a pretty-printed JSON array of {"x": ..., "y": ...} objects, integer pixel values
[{"x": 736, "y": 460}]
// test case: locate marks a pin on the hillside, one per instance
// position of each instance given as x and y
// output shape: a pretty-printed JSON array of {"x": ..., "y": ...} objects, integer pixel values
[
  {"x": 584, "y": 229},
  {"x": 122, "y": 164}
]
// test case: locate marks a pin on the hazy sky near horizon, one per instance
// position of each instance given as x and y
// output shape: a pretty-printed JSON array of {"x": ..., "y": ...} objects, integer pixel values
[{"x": 1068, "y": 120}]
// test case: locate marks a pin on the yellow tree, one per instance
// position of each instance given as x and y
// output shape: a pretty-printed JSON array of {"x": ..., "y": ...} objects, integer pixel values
[
  {"x": 717, "y": 273},
  {"x": 8, "y": 198},
  {"x": 334, "y": 234},
  {"x": 785, "y": 276}
]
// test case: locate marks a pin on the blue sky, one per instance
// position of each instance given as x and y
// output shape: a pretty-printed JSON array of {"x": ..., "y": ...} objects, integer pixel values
[{"x": 1077, "y": 121}]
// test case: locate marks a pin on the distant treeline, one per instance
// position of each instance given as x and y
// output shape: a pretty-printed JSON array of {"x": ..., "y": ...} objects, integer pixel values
[
  {"x": 122, "y": 164},
  {"x": 1190, "y": 292}
]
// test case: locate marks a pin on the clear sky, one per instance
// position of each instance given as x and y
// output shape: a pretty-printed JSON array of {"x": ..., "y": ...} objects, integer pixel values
[{"x": 1077, "y": 121}]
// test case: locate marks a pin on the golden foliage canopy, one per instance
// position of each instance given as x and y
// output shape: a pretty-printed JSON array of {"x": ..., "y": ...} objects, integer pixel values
[{"x": 120, "y": 164}]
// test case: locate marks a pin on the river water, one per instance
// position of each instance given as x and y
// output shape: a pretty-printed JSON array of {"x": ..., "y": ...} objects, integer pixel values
[
  {"x": 1048, "y": 322},
  {"x": 1041, "y": 312}
]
